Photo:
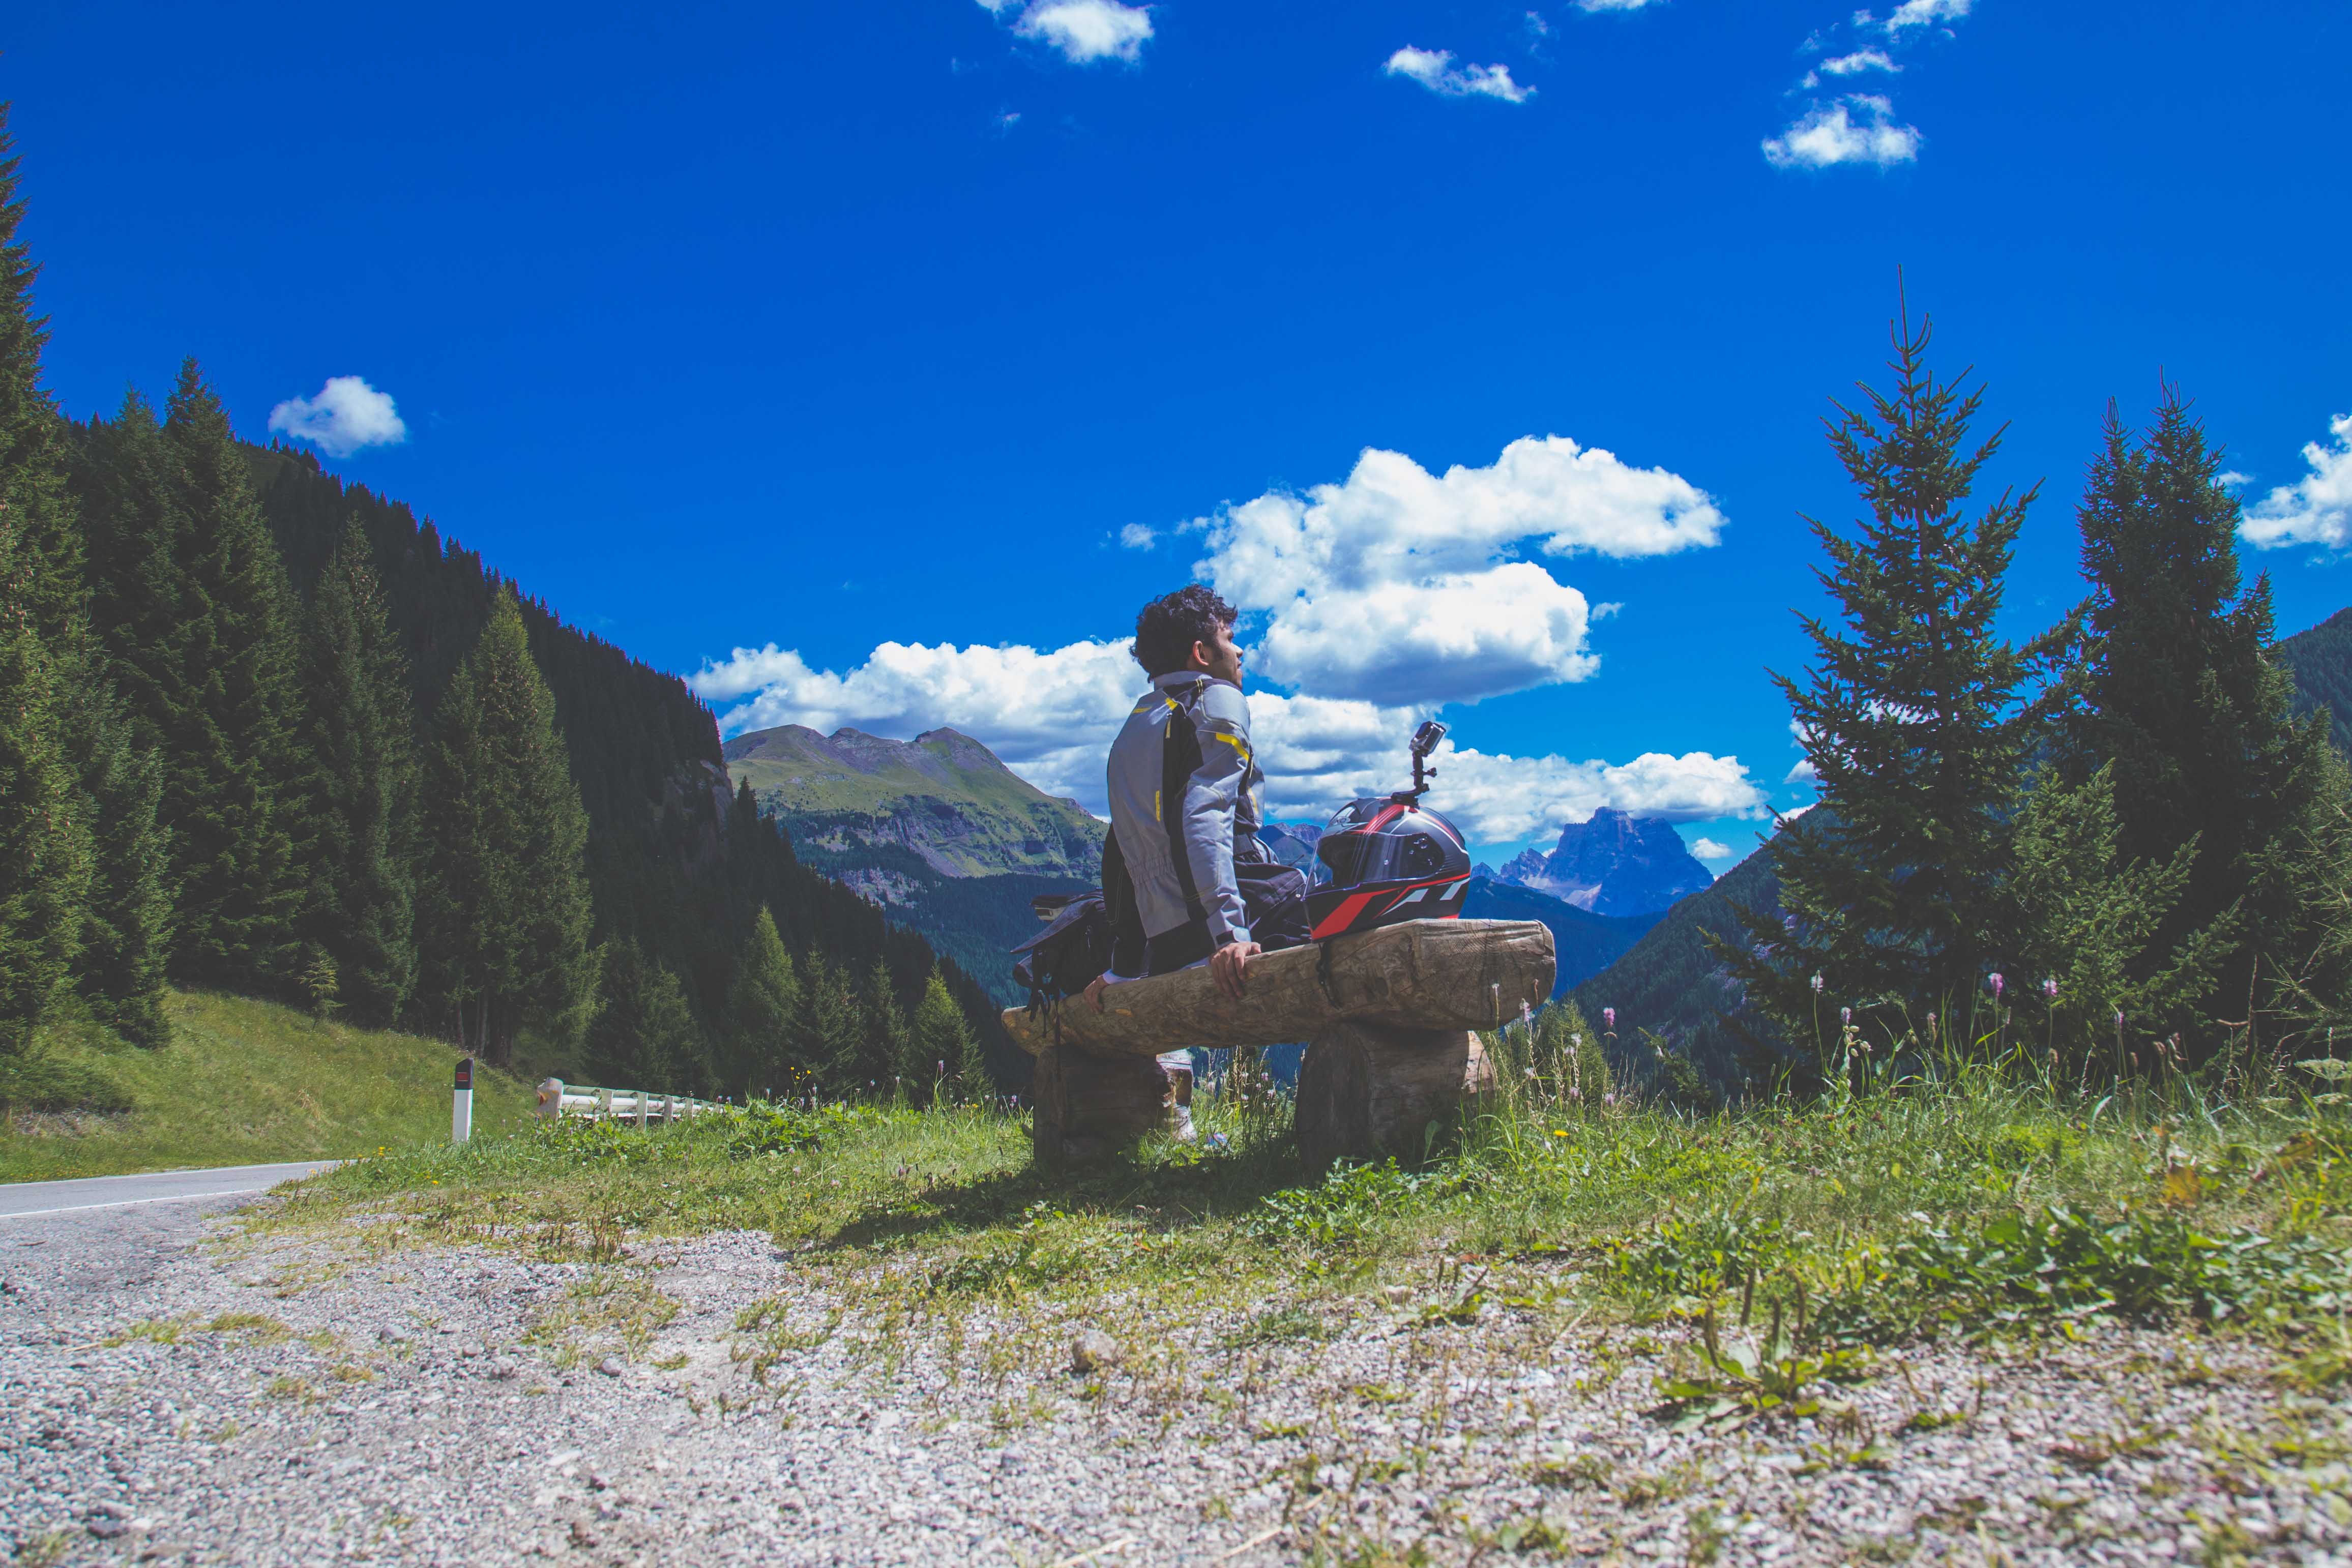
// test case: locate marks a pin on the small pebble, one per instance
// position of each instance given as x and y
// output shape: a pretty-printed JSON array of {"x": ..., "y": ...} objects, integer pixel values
[{"x": 1093, "y": 1351}]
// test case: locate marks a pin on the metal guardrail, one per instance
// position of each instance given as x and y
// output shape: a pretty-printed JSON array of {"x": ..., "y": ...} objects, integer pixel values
[{"x": 556, "y": 1100}]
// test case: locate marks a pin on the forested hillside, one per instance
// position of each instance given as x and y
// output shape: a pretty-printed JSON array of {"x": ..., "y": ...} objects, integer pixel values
[
  {"x": 264, "y": 733},
  {"x": 2320, "y": 660}
]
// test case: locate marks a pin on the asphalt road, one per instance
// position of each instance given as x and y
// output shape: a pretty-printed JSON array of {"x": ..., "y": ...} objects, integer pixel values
[{"x": 61, "y": 1200}]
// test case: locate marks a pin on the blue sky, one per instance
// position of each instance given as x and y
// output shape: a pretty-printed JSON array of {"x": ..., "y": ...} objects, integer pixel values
[{"x": 811, "y": 331}]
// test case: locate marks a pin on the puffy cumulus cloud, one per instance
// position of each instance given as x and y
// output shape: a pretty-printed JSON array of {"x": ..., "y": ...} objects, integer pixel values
[
  {"x": 347, "y": 415},
  {"x": 1499, "y": 799},
  {"x": 1856, "y": 130},
  {"x": 1134, "y": 536},
  {"x": 1435, "y": 69},
  {"x": 1435, "y": 640},
  {"x": 1708, "y": 850},
  {"x": 2315, "y": 510},
  {"x": 1400, "y": 585},
  {"x": 1084, "y": 31},
  {"x": 1050, "y": 716}
]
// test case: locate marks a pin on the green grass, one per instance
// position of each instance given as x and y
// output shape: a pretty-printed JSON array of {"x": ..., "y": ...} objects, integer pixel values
[
  {"x": 1975, "y": 1207},
  {"x": 245, "y": 1082}
]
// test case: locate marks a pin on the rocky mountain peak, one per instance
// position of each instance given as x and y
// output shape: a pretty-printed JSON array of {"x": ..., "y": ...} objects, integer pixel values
[{"x": 1612, "y": 863}]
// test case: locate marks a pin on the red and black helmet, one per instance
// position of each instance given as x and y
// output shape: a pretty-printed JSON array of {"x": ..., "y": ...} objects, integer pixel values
[{"x": 1392, "y": 859}]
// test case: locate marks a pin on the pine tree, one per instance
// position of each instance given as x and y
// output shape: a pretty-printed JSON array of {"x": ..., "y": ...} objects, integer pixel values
[
  {"x": 126, "y": 922},
  {"x": 2087, "y": 928},
  {"x": 508, "y": 915},
  {"x": 363, "y": 864},
  {"x": 44, "y": 840},
  {"x": 831, "y": 1033},
  {"x": 230, "y": 718},
  {"x": 122, "y": 922},
  {"x": 643, "y": 1035},
  {"x": 762, "y": 1004},
  {"x": 1912, "y": 717},
  {"x": 2176, "y": 693},
  {"x": 883, "y": 1056},
  {"x": 945, "y": 1049}
]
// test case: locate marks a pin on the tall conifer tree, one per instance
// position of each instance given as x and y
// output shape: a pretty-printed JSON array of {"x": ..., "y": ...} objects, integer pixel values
[
  {"x": 364, "y": 844},
  {"x": 121, "y": 923},
  {"x": 508, "y": 915},
  {"x": 43, "y": 839},
  {"x": 234, "y": 723},
  {"x": 2176, "y": 694},
  {"x": 1913, "y": 717},
  {"x": 643, "y": 1035},
  {"x": 945, "y": 1051},
  {"x": 762, "y": 1003}
]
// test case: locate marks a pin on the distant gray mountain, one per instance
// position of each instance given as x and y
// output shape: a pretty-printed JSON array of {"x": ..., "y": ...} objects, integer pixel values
[{"x": 1613, "y": 864}]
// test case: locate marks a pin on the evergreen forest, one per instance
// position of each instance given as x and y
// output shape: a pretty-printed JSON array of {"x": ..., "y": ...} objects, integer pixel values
[{"x": 264, "y": 733}]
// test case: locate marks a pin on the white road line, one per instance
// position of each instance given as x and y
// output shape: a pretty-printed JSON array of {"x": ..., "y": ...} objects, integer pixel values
[{"x": 130, "y": 1202}]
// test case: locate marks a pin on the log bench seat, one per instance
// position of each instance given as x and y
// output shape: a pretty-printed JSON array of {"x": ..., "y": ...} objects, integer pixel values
[{"x": 1388, "y": 1017}]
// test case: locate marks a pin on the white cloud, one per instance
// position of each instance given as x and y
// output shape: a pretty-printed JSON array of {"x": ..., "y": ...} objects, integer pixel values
[
  {"x": 1921, "y": 14},
  {"x": 1135, "y": 536},
  {"x": 1589, "y": 5},
  {"x": 1434, "y": 69},
  {"x": 1859, "y": 61},
  {"x": 346, "y": 415},
  {"x": 1804, "y": 772},
  {"x": 1708, "y": 850},
  {"x": 1830, "y": 134},
  {"x": 1051, "y": 715},
  {"x": 1084, "y": 31},
  {"x": 1403, "y": 586},
  {"x": 2316, "y": 509}
]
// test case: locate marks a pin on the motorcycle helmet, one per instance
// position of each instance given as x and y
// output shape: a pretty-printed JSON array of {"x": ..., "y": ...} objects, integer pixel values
[{"x": 1391, "y": 859}]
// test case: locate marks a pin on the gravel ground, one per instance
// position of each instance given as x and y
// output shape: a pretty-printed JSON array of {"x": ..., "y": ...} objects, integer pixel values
[{"x": 172, "y": 1393}]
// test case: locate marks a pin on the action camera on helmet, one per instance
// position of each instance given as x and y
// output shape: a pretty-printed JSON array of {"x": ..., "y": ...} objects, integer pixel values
[{"x": 1391, "y": 859}]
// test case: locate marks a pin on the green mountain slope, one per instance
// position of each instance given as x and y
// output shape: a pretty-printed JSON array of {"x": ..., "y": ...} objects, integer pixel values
[
  {"x": 942, "y": 796},
  {"x": 1672, "y": 982},
  {"x": 1586, "y": 943},
  {"x": 2321, "y": 662}
]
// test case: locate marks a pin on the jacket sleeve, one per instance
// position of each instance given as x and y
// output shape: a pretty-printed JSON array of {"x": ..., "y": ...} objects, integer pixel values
[{"x": 1211, "y": 797}]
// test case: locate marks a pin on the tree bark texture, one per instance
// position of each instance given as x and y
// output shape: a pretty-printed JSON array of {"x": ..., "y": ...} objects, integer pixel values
[
  {"x": 1089, "y": 1106},
  {"x": 1421, "y": 975},
  {"x": 1367, "y": 1091}
]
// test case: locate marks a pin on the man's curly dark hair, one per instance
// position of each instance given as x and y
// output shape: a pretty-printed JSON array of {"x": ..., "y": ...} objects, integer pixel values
[{"x": 1168, "y": 627}]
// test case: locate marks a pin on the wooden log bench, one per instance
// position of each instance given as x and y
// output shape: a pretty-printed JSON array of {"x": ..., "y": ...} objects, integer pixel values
[{"x": 1388, "y": 1017}]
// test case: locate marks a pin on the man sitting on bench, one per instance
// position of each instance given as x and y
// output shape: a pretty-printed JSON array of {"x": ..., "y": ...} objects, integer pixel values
[{"x": 1185, "y": 879}]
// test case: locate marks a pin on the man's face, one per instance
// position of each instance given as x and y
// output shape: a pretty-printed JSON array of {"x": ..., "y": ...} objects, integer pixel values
[{"x": 1219, "y": 658}]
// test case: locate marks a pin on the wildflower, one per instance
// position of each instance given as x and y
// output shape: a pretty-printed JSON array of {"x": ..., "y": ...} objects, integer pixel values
[
  {"x": 2119, "y": 1017},
  {"x": 1995, "y": 978},
  {"x": 1931, "y": 1023},
  {"x": 1560, "y": 1131},
  {"x": 1817, "y": 985},
  {"x": 2050, "y": 990},
  {"x": 1608, "y": 1018},
  {"x": 1845, "y": 1015}
]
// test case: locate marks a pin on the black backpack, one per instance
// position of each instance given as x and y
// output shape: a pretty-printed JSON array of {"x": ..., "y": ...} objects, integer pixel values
[{"x": 1063, "y": 959}]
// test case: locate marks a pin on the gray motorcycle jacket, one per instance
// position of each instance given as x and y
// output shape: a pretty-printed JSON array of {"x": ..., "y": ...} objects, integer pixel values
[{"x": 1185, "y": 788}]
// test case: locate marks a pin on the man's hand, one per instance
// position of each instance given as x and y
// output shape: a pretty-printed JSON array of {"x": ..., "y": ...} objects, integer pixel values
[
  {"x": 1225, "y": 965},
  {"x": 1094, "y": 990}
]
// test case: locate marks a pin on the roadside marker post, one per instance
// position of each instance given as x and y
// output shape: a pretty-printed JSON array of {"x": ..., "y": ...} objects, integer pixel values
[{"x": 461, "y": 1102}]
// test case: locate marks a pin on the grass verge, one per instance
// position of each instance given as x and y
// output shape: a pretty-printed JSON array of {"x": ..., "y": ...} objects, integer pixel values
[
  {"x": 242, "y": 1081},
  {"x": 1788, "y": 1233}
]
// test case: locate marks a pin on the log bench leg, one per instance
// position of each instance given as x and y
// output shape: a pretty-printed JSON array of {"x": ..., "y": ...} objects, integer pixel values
[
  {"x": 1089, "y": 1106},
  {"x": 1366, "y": 1091}
]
